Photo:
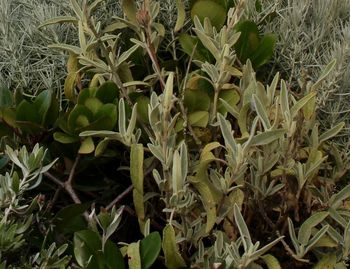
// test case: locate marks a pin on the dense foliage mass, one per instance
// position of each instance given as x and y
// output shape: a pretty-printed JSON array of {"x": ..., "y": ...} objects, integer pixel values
[{"x": 172, "y": 143}]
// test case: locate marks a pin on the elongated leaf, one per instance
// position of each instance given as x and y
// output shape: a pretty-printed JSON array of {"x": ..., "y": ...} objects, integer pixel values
[
  {"x": 261, "y": 111},
  {"x": 130, "y": 10},
  {"x": 316, "y": 238},
  {"x": 173, "y": 258},
  {"x": 69, "y": 85},
  {"x": 267, "y": 137},
  {"x": 328, "y": 261},
  {"x": 332, "y": 132},
  {"x": 301, "y": 103},
  {"x": 59, "y": 19},
  {"x": 337, "y": 199},
  {"x": 324, "y": 74},
  {"x": 136, "y": 166},
  {"x": 181, "y": 15},
  {"x": 66, "y": 47},
  {"x": 243, "y": 229},
  {"x": 126, "y": 54},
  {"x": 305, "y": 229}
]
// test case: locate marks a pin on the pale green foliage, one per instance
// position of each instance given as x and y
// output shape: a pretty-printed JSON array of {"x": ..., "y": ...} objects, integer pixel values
[{"x": 310, "y": 34}]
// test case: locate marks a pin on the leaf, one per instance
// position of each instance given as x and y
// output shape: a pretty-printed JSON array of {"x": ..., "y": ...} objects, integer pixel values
[
  {"x": 199, "y": 118},
  {"x": 328, "y": 261},
  {"x": 65, "y": 138},
  {"x": 243, "y": 229},
  {"x": 271, "y": 261},
  {"x": 86, "y": 244},
  {"x": 126, "y": 54},
  {"x": 332, "y": 132},
  {"x": 212, "y": 10},
  {"x": 267, "y": 137},
  {"x": 113, "y": 258},
  {"x": 261, "y": 111},
  {"x": 27, "y": 112},
  {"x": 130, "y": 10},
  {"x": 301, "y": 103},
  {"x": 42, "y": 104},
  {"x": 181, "y": 15},
  {"x": 6, "y": 98},
  {"x": 58, "y": 19},
  {"x": 134, "y": 259},
  {"x": 324, "y": 75},
  {"x": 150, "y": 247},
  {"x": 108, "y": 92},
  {"x": 173, "y": 258},
  {"x": 248, "y": 40},
  {"x": 196, "y": 100},
  {"x": 231, "y": 98},
  {"x": 306, "y": 228},
  {"x": 264, "y": 51},
  {"x": 66, "y": 47},
  {"x": 337, "y": 199},
  {"x": 69, "y": 219},
  {"x": 87, "y": 146},
  {"x": 191, "y": 45}
]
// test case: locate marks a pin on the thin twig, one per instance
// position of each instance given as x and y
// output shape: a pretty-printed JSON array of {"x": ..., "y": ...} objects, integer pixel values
[{"x": 120, "y": 197}]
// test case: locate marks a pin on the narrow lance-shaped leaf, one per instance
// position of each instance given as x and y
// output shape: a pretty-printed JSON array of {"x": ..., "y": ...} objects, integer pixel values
[
  {"x": 301, "y": 103},
  {"x": 181, "y": 15},
  {"x": 173, "y": 258},
  {"x": 267, "y": 137},
  {"x": 243, "y": 229},
  {"x": 332, "y": 132},
  {"x": 305, "y": 229},
  {"x": 324, "y": 74},
  {"x": 261, "y": 111},
  {"x": 59, "y": 19}
]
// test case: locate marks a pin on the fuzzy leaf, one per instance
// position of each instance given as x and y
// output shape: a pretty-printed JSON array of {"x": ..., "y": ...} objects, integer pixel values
[
  {"x": 243, "y": 229},
  {"x": 267, "y": 137},
  {"x": 271, "y": 261},
  {"x": 332, "y": 132},
  {"x": 305, "y": 229}
]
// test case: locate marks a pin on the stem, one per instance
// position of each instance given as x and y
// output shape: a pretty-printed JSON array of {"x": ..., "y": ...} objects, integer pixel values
[{"x": 120, "y": 197}]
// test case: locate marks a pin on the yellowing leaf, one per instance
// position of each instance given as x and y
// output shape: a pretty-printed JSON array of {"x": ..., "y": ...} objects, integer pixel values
[
  {"x": 181, "y": 15},
  {"x": 134, "y": 258},
  {"x": 87, "y": 146},
  {"x": 173, "y": 258},
  {"x": 69, "y": 85}
]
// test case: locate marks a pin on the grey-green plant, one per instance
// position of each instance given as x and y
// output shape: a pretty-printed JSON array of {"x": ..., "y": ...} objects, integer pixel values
[{"x": 309, "y": 35}]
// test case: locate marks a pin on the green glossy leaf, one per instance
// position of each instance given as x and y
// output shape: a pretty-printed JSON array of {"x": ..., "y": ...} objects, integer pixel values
[
  {"x": 209, "y": 9},
  {"x": 85, "y": 94},
  {"x": 173, "y": 258},
  {"x": 113, "y": 258},
  {"x": 70, "y": 218},
  {"x": 65, "y": 138},
  {"x": 263, "y": 53},
  {"x": 150, "y": 247},
  {"x": 86, "y": 244},
  {"x": 198, "y": 118},
  {"x": 42, "y": 104},
  {"x": 248, "y": 40},
  {"x": 191, "y": 45},
  {"x": 27, "y": 112},
  {"x": 108, "y": 92},
  {"x": 79, "y": 117},
  {"x": 196, "y": 100},
  {"x": 6, "y": 98}
]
